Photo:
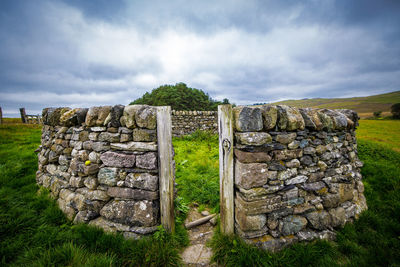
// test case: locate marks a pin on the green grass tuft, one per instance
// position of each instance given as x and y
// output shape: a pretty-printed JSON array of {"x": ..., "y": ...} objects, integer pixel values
[{"x": 233, "y": 251}]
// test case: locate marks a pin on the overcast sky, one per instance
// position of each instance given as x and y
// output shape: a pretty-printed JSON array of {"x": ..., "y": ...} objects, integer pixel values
[{"x": 86, "y": 53}]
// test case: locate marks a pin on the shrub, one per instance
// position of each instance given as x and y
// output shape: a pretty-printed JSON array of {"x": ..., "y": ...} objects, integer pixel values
[
  {"x": 377, "y": 114},
  {"x": 395, "y": 109}
]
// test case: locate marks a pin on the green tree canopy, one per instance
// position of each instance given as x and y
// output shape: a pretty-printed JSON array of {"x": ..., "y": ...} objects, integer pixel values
[{"x": 179, "y": 97}]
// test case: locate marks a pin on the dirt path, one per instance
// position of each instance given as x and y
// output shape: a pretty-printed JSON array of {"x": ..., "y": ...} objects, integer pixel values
[{"x": 197, "y": 253}]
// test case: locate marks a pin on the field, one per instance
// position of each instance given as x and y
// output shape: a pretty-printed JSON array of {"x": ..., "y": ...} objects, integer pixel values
[
  {"x": 365, "y": 106},
  {"x": 34, "y": 232},
  {"x": 383, "y": 132}
]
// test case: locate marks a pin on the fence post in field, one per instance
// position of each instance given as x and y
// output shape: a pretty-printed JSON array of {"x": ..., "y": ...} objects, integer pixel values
[
  {"x": 166, "y": 167},
  {"x": 1, "y": 116},
  {"x": 226, "y": 174},
  {"x": 23, "y": 115}
]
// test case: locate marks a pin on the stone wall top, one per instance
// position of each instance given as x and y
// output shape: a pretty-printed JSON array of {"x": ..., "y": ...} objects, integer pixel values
[
  {"x": 285, "y": 118},
  {"x": 131, "y": 116},
  {"x": 192, "y": 112},
  {"x": 247, "y": 118}
]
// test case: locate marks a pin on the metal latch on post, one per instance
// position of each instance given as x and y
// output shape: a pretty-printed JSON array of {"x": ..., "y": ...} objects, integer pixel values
[{"x": 226, "y": 144}]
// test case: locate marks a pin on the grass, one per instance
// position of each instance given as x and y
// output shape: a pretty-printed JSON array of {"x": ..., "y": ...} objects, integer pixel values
[
  {"x": 34, "y": 232},
  {"x": 383, "y": 132},
  {"x": 11, "y": 120},
  {"x": 197, "y": 169},
  {"x": 373, "y": 240}
]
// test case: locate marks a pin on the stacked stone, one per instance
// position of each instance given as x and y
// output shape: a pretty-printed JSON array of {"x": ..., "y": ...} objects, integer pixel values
[
  {"x": 101, "y": 166},
  {"x": 187, "y": 122},
  {"x": 297, "y": 174}
]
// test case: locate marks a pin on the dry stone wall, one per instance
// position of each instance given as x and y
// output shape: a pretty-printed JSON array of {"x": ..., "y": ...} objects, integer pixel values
[
  {"x": 186, "y": 122},
  {"x": 101, "y": 164},
  {"x": 297, "y": 174}
]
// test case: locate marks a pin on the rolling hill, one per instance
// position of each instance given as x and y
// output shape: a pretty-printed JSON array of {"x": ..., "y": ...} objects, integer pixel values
[{"x": 365, "y": 106}]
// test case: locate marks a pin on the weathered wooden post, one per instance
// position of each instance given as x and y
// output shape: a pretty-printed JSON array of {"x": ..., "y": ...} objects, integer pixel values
[
  {"x": 166, "y": 167},
  {"x": 1, "y": 116},
  {"x": 23, "y": 115},
  {"x": 225, "y": 130}
]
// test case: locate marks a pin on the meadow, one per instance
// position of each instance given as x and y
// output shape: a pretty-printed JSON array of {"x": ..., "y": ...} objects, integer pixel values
[
  {"x": 34, "y": 232},
  {"x": 383, "y": 132},
  {"x": 365, "y": 106}
]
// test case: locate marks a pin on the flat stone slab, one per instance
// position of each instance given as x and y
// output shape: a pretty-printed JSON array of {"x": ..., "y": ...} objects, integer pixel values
[
  {"x": 135, "y": 146},
  {"x": 197, "y": 255}
]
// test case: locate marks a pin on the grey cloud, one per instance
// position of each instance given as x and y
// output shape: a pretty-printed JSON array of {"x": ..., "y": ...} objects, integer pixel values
[
  {"x": 76, "y": 53},
  {"x": 100, "y": 9}
]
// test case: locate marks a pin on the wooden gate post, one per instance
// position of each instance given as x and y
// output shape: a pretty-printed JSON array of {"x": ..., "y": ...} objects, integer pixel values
[
  {"x": 226, "y": 175},
  {"x": 23, "y": 115},
  {"x": 166, "y": 167}
]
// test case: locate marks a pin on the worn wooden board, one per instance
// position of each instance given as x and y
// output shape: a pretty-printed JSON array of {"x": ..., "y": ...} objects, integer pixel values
[
  {"x": 199, "y": 221},
  {"x": 225, "y": 130},
  {"x": 166, "y": 168}
]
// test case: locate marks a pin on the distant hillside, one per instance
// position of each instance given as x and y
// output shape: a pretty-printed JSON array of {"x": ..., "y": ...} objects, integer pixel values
[{"x": 365, "y": 106}]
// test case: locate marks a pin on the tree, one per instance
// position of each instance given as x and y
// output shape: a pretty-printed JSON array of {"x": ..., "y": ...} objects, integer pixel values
[
  {"x": 396, "y": 110},
  {"x": 179, "y": 97},
  {"x": 377, "y": 114}
]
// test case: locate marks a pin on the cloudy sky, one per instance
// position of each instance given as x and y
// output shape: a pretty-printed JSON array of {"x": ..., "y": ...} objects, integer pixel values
[{"x": 86, "y": 53}]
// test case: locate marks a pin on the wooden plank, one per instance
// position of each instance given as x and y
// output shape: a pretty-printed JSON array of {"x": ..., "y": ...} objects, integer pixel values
[
  {"x": 166, "y": 168},
  {"x": 225, "y": 130},
  {"x": 23, "y": 115}
]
